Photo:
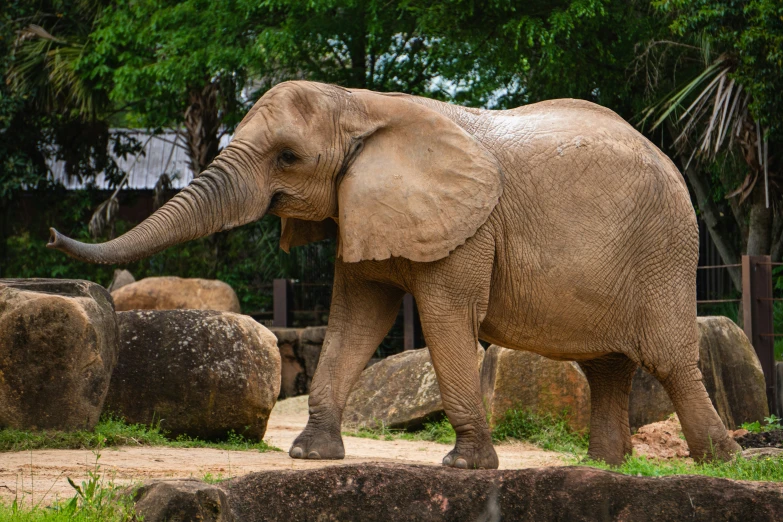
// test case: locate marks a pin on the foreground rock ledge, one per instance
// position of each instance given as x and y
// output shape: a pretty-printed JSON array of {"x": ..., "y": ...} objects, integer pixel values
[{"x": 392, "y": 492}]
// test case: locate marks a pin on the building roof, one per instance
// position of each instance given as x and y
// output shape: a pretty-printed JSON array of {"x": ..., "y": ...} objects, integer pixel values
[{"x": 165, "y": 152}]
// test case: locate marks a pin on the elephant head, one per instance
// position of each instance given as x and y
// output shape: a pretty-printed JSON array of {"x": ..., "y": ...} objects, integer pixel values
[{"x": 391, "y": 176}]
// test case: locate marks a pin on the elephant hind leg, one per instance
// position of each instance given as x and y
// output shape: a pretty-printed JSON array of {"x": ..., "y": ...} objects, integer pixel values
[
  {"x": 703, "y": 429},
  {"x": 610, "y": 380}
]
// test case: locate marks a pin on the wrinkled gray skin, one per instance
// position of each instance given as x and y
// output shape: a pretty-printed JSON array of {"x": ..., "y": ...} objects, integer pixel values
[{"x": 554, "y": 227}]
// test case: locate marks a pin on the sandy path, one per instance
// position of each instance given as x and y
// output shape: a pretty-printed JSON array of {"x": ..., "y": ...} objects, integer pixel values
[{"x": 128, "y": 464}]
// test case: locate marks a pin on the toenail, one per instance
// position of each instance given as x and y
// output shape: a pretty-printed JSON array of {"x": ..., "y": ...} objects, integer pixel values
[
  {"x": 313, "y": 455},
  {"x": 296, "y": 452},
  {"x": 447, "y": 460},
  {"x": 461, "y": 464}
]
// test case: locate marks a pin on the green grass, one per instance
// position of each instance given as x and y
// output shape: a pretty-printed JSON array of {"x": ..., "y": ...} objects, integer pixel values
[
  {"x": 111, "y": 432},
  {"x": 95, "y": 499},
  {"x": 209, "y": 478},
  {"x": 53, "y": 514},
  {"x": 439, "y": 431},
  {"x": 546, "y": 431},
  {"x": 760, "y": 469},
  {"x": 779, "y": 349}
]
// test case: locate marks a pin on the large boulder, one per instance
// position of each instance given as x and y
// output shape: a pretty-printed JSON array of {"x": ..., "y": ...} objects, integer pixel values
[
  {"x": 121, "y": 278},
  {"x": 524, "y": 380},
  {"x": 300, "y": 350},
  {"x": 58, "y": 347},
  {"x": 176, "y": 293},
  {"x": 401, "y": 391},
  {"x": 200, "y": 373},
  {"x": 732, "y": 375},
  {"x": 393, "y": 492}
]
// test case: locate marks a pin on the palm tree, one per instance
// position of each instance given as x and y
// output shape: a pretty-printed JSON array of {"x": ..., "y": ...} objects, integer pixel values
[{"x": 709, "y": 118}]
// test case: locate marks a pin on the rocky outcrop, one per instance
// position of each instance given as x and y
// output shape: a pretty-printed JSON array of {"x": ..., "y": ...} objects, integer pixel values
[
  {"x": 176, "y": 293},
  {"x": 198, "y": 372},
  {"x": 58, "y": 347},
  {"x": 732, "y": 375},
  {"x": 524, "y": 380},
  {"x": 389, "y": 492},
  {"x": 121, "y": 278},
  {"x": 300, "y": 350},
  {"x": 182, "y": 501},
  {"x": 401, "y": 391}
]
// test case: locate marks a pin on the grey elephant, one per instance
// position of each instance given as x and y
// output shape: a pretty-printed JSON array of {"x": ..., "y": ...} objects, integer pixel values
[{"x": 554, "y": 227}]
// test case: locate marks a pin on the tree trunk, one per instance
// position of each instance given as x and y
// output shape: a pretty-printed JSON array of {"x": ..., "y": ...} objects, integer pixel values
[
  {"x": 710, "y": 214},
  {"x": 759, "y": 226},
  {"x": 202, "y": 124}
]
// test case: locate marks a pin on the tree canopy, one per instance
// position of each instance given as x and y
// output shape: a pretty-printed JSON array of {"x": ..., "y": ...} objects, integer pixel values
[{"x": 686, "y": 72}]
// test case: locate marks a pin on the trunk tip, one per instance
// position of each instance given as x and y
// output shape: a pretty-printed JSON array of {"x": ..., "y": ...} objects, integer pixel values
[{"x": 55, "y": 239}]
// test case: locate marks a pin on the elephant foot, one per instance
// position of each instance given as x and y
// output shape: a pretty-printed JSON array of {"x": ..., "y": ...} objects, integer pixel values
[
  {"x": 318, "y": 445},
  {"x": 723, "y": 449},
  {"x": 464, "y": 456},
  {"x": 613, "y": 456}
]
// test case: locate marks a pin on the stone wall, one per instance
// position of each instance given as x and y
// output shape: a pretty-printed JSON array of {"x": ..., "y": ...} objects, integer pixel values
[{"x": 300, "y": 349}]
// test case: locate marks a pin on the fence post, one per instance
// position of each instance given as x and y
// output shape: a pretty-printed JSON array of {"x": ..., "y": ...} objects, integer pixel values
[
  {"x": 757, "y": 317},
  {"x": 282, "y": 299}
]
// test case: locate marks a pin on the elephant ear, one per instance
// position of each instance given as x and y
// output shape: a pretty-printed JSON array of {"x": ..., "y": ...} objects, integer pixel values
[
  {"x": 297, "y": 232},
  {"x": 418, "y": 187}
]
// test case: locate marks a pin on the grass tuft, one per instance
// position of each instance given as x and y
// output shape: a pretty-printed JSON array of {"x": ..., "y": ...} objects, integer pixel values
[
  {"x": 112, "y": 432},
  {"x": 439, "y": 431},
  {"x": 546, "y": 431},
  {"x": 95, "y": 500}
]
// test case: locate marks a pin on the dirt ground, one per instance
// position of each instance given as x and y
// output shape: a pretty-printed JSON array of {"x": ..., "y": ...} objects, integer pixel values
[{"x": 41, "y": 475}]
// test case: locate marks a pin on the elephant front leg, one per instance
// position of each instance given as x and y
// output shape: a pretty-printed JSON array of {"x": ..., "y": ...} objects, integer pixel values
[
  {"x": 360, "y": 316},
  {"x": 452, "y": 340}
]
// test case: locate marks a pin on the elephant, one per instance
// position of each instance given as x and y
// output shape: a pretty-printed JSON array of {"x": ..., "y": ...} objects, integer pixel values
[{"x": 555, "y": 227}]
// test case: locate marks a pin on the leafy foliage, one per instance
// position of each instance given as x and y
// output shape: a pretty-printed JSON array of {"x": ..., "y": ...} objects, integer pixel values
[
  {"x": 151, "y": 54},
  {"x": 771, "y": 423}
]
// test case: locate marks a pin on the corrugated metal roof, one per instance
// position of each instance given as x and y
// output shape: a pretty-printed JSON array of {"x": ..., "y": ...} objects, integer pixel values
[{"x": 163, "y": 153}]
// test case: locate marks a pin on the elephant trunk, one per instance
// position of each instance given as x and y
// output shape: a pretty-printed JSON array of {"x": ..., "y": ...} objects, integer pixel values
[{"x": 213, "y": 202}]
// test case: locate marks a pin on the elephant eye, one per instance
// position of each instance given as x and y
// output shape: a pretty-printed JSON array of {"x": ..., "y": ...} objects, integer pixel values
[{"x": 287, "y": 157}]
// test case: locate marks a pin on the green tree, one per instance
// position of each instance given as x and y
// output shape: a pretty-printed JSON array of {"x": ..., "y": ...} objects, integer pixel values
[
  {"x": 368, "y": 44},
  {"x": 179, "y": 62},
  {"x": 48, "y": 111},
  {"x": 722, "y": 82}
]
